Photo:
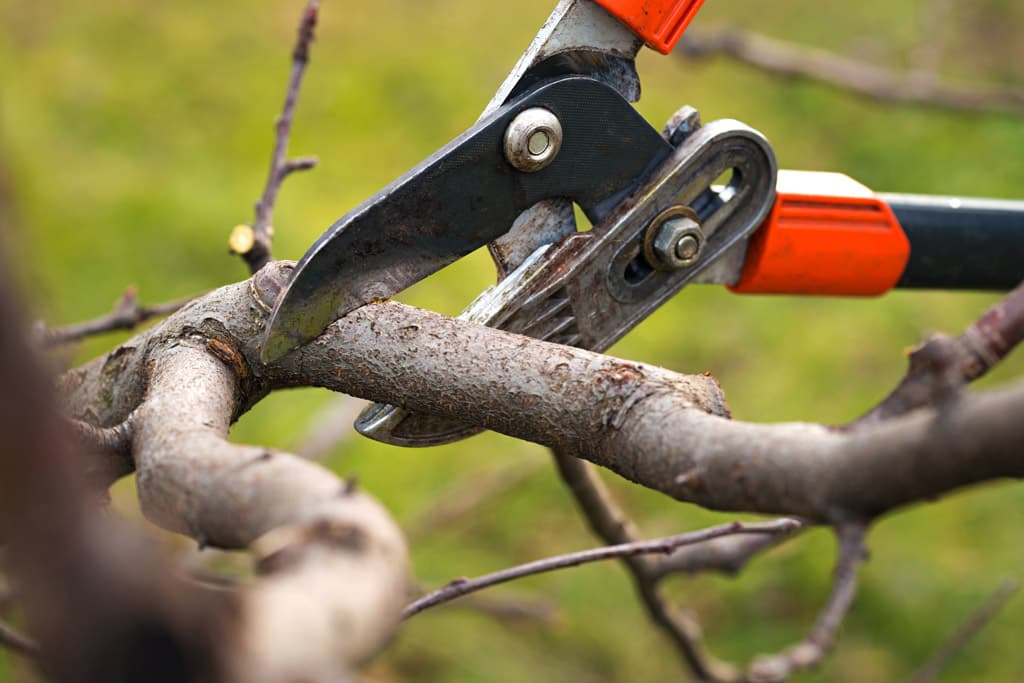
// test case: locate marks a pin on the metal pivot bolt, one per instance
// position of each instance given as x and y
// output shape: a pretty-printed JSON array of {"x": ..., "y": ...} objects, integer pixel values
[
  {"x": 674, "y": 239},
  {"x": 533, "y": 139}
]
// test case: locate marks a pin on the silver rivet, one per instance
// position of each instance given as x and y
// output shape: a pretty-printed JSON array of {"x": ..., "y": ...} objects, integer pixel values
[
  {"x": 533, "y": 139},
  {"x": 674, "y": 239}
]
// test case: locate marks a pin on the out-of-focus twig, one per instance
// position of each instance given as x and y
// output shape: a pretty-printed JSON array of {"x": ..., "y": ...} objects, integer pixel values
[
  {"x": 253, "y": 243},
  {"x": 808, "y": 653},
  {"x": 609, "y": 522},
  {"x": 128, "y": 314},
  {"x": 469, "y": 493},
  {"x": 943, "y": 364},
  {"x": 17, "y": 642},
  {"x": 464, "y": 586},
  {"x": 978, "y": 620},
  {"x": 934, "y": 21},
  {"x": 874, "y": 82}
]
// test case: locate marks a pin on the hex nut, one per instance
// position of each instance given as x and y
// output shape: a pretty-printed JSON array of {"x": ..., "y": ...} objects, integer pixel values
[{"x": 674, "y": 239}]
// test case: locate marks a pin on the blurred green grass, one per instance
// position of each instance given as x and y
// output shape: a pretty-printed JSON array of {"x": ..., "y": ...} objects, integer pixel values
[{"x": 137, "y": 134}]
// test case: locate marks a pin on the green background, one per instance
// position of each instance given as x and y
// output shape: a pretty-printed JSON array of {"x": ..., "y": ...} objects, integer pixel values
[{"x": 134, "y": 135}]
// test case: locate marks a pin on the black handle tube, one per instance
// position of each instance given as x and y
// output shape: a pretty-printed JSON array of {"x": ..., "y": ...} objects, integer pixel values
[{"x": 960, "y": 243}]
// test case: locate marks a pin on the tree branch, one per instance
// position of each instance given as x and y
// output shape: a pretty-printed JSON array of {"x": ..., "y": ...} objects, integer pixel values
[
  {"x": 329, "y": 558},
  {"x": 967, "y": 631},
  {"x": 728, "y": 555},
  {"x": 253, "y": 243},
  {"x": 809, "y": 653},
  {"x": 611, "y": 524},
  {"x": 128, "y": 314},
  {"x": 657, "y": 428},
  {"x": 16, "y": 642},
  {"x": 874, "y": 82},
  {"x": 943, "y": 364},
  {"x": 461, "y": 587}
]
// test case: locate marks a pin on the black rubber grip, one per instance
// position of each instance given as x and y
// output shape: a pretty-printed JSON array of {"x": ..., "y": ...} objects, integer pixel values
[{"x": 961, "y": 243}]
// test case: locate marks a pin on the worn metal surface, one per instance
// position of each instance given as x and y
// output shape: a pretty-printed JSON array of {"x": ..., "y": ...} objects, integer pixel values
[
  {"x": 591, "y": 288},
  {"x": 580, "y": 37},
  {"x": 460, "y": 199},
  {"x": 533, "y": 139}
]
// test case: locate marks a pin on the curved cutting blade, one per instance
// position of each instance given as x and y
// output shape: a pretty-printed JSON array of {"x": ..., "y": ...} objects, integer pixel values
[{"x": 461, "y": 198}]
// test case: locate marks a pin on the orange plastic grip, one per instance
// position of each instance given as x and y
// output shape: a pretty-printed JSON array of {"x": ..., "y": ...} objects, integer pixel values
[
  {"x": 660, "y": 23},
  {"x": 827, "y": 234}
]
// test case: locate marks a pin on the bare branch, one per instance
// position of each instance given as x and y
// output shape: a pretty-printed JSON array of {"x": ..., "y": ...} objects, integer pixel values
[
  {"x": 874, "y": 82},
  {"x": 253, "y": 243},
  {"x": 967, "y": 631},
  {"x": 128, "y": 314},
  {"x": 464, "y": 496},
  {"x": 809, "y": 653},
  {"x": 507, "y": 609},
  {"x": 611, "y": 524},
  {"x": 660, "y": 429},
  {"x": 328, "y": 555},
  {"x": 16, "y": 642},
  {"x": 461, "y": 587},
  {"x": 109, "y": 450},
  {"x": 728, "y": 555},
  {"x": 943, "y": 364}
]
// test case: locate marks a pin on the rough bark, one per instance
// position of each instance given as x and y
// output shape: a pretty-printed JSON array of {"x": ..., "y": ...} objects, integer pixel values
[{"x": 663, "y": 430}]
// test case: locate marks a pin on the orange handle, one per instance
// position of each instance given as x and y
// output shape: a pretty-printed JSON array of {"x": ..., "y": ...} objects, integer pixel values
[
  {"x": 827, "y": 234},
  {"x": 660, "y": 23}
]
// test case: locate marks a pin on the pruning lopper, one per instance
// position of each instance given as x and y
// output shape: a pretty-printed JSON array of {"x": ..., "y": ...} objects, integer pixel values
[{"x": 691, "y": 203}]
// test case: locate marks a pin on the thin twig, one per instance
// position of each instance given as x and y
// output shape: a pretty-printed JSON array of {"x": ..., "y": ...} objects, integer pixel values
[
  {"x": 728, "y": 555},
  {"x": 459, "y": 500},
  {"x": 611, "y": 524},
  {"x": 17, "y": 642},
  {"x": 463, "y": 586},
  {"x": 978, "y": 620},
  {"x": 874, "y": 82},
  {"x": 505, "y": 608},
  {"x": 808, "y": 653},
  {"x": 127, "y": 314},
  {"x": 943, "y": 364},
  {"x": 253, "y": 243}
]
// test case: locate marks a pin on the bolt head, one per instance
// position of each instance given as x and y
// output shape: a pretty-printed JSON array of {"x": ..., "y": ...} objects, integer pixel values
[{"x": 533, "y": 139}]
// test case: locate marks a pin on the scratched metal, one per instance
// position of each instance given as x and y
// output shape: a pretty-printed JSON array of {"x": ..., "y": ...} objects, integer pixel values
[
  {"x": 590, "y": 289},
  {"x": 461, "y": 198}
]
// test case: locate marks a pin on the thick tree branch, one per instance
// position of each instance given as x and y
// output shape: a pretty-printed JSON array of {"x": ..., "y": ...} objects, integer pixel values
[
  {"x": 660, "y": 429},
  {"x": 460, "y": 587},
  {"x": 253, "y": 243},
  {"x": 332, "y": 564},
  {"x": 874, "y": 82}
]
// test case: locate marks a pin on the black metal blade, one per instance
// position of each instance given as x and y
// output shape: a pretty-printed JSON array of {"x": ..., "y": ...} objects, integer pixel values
[{"x": 461, "y": 198}]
